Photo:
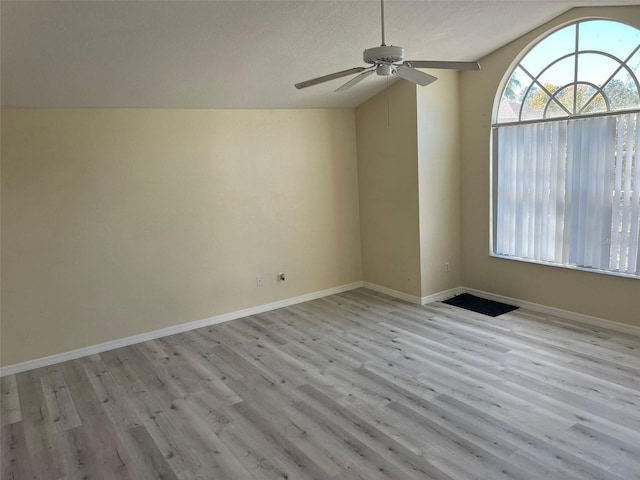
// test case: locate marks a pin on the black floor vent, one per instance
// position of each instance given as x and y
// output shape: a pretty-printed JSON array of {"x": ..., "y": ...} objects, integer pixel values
[{"x": 480, "y": 305}]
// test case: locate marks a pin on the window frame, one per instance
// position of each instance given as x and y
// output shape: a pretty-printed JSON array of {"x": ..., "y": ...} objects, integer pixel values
[{"x": 495, "y": 124}]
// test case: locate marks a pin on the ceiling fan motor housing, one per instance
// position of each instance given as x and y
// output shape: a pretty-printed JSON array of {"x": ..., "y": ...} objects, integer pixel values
[{"x": 383, "y": 54}]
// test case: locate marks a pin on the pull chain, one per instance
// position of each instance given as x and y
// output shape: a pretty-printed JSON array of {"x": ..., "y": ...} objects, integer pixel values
[{"x": 388, "y": 103}]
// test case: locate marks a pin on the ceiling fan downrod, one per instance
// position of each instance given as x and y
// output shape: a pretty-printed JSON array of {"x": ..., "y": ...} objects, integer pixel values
[{"x": 382, "y": 22}]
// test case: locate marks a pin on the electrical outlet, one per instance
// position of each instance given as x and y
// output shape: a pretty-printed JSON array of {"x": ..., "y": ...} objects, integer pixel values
[
  {"x": 259, "y": 281},
  {"x": 446, "y": 266}
]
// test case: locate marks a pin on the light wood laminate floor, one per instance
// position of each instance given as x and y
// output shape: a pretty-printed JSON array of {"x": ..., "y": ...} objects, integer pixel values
[{"x": 352, "y": 386}]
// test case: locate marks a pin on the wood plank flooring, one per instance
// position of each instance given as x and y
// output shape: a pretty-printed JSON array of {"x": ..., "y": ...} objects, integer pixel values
[{"x": 352, "y": 386}]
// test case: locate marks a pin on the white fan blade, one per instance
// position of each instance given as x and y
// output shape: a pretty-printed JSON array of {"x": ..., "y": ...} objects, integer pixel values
[
  {"x": 331, "y": 76},
  {"x": 353, "y": 81},
  {"x": 415, "y": 76},
  {"x": 442, "y": 65}
]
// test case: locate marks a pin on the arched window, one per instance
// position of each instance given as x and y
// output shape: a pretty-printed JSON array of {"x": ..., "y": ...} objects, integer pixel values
[{"x": 566, "y": 181}]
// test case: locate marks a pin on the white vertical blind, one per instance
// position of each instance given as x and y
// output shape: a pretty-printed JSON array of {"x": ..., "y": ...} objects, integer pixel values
[
  {"x": 530, "y": 193},
  {"x": 626, "y": 212},
  {"x": 591, "y": 159},
  {"x": 568, "y": 192}
]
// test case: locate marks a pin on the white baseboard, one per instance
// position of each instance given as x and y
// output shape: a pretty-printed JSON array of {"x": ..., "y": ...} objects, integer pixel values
[
  {"x": 569, "y": 315},
  {"x": 143, "y": 337},
  {"x": 536, "y": 307},
  {"x": 163, "y": 332},
  {"x": 392, "y": 293},
  {"x": 436, "y": 297}
]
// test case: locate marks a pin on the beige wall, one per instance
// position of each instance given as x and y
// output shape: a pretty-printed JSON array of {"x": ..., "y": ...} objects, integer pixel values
[
  {"x": 594, "y": 294},
  {"x": 439, "y": 183},
  {"x": 118, "y": 222},
  {"x": 409, "y": 183},
  {"x": 388, "y": 185}
]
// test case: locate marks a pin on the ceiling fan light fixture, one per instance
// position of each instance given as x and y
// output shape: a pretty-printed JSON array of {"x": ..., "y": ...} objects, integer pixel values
[{"x": 384, "y": 69}]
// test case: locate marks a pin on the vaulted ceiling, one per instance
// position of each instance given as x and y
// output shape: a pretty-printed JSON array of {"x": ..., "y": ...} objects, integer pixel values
[{"x": 235, "y": 54}]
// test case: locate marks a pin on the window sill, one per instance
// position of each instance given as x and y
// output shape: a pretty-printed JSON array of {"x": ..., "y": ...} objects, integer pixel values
[{"x": 569, "y": 267}]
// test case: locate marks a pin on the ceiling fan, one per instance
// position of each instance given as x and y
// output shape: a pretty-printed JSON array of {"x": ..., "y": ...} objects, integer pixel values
[{"x": 385, "y": 60}]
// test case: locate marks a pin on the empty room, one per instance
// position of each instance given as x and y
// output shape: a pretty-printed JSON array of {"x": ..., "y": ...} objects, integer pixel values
[{"x": 320, "y": 239}]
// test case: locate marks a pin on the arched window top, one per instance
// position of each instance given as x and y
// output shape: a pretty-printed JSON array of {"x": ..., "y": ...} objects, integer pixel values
[{"x": 588, "y": 67}]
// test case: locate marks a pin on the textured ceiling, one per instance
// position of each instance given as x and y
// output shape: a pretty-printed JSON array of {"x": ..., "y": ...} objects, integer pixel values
[{"x": 234, "y": 54}]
